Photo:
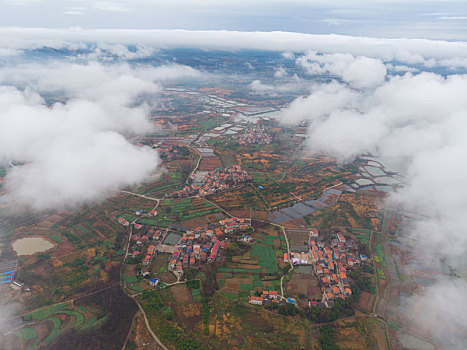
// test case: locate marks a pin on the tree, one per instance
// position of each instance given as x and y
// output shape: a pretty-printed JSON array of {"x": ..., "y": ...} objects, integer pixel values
[
  {"x": 288, "y": 309},
  {"x": 43, "y": 256},
  {"x": 327, "y": 338}
]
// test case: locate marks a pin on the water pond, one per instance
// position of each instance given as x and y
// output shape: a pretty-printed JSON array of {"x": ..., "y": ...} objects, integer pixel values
[{"x": 31, "y": 245}]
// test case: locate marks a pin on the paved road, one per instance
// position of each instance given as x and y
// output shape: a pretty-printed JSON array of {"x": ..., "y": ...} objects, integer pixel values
[
  {"x": 146, "y": 320},
  {"x": 197, "y": 164},
  {"x": 133, "y": 296}
]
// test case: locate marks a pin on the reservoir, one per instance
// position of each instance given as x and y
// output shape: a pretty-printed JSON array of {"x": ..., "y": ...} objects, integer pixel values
[{"x": 31, "y": 245}]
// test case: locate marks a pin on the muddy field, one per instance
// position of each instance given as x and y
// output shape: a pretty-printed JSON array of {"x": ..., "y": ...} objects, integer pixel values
[
  {"x": 210, "y": 163},
  {"x": 181, "y": 294},
  {"x": 304, "y": 287},
  {"x": 366, "y": 300}
]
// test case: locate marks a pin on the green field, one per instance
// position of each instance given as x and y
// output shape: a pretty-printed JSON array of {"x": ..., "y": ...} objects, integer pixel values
[
  {"x": 239, "y": 270},
  {"x": 362, "y": 235},
  {"x": 196, "y": 294},
  {"x": 380, "y": 254},
  {"x": 266, "y": 257},
  {"x": 50, "y": 315},
  {"x": 27, "y": 333}
]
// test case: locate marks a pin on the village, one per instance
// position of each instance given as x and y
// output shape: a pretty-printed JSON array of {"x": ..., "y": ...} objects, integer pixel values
[
  {"x": 188, "y": 248},
  {"x": 203, "y": 245},
  {"x": 255, "y": 135},
  {"x": 330, "y": 261},
  {"x": 214, "y": 181},
  {"x": 331, "y": 264}
]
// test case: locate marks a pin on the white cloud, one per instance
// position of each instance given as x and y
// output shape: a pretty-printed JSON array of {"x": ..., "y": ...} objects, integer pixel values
[
  {"x": 421, "y": 119},
  {"x": 280, "y": 72},
  {"x": 401, "y": 68},
  {"x": 292, "y": 84},
  {"x": 74, "y": 152},
  {"x": 409, "y": 51},
  {"x": 442, "y": 312},
  {"x": 360, "y": 71},
  {"x": 288, "y": 55}
]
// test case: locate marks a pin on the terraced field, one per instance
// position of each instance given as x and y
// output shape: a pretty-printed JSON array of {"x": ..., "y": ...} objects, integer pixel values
[{"x": 52, "y": 321}]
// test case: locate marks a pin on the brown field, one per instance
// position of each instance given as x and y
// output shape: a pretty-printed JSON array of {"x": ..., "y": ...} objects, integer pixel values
[
  {"x": 233, "y": 283},
  {"x": 297, "y": 223},
  {"x": 159, "y": 261},
  {"x": 304, "y": 284},
  {"x": 210, "y": 163},
  {"x": 261, "y": 214},
  {"x": 364, "y": 300},
  {"x": 193, "y": 223},
  {"x": 357, "y": 334},
  {"x": 240, "y": 213},
  {"x": 181, "y": 293},
  {"x": 167, "y": 277},
  {"x": 246, "y": 266},
  {"x": 239, "y": 198}
]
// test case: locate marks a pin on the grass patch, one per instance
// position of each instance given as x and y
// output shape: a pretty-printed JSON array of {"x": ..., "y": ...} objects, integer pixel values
[
  {"x": 43, "y": 313},
  {"x": 56, "y": 238},
  {"x": 27, "y": 333},
  {"x": 245, "y": 286},
  {"x": 229, "y": 296},
  {"x": 196, "y": 294}
]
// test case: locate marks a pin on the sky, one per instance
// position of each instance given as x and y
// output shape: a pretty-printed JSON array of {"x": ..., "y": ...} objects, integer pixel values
[{"x": 377, "y": 18}]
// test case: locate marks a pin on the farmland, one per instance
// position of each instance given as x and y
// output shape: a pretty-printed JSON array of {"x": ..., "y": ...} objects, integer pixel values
[
  {"x": 75, "y": 320},
  {"x": 187, "y": 211},
  {"x": 253, "y": 267},
  {"x": 78, "y": 280}
]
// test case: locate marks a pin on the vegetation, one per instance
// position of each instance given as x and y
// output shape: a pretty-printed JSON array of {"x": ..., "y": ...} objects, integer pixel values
[
  {"x": 361, "y": 281},
  {"x": 340, "y": 308},
  {"x": 165, "y": 329},
  {"x": 327, "y": 338}
]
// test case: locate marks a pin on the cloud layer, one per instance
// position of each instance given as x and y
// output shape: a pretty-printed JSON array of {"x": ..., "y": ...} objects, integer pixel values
[
  {"x": 75, "y": 152},
  {"x": 424, "y": 52},
  {"x": 421, "y": 119}
]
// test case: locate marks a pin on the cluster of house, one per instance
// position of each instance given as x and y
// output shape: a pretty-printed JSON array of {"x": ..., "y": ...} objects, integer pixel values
[
  {"x": 216, "y": 180},
  {"x": 257, "y": 135},
  {"x": 145, "y": 244},
  {"x": 202, "y": 245},
  {"x": 270, "y": 296},
  {"x": 331, "y": 263}
]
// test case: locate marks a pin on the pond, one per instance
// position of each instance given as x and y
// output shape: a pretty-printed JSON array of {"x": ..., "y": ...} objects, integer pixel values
[
  {"x": 31, "y": 245},
  {"x": 300, "y": 209},
  {"x": 374, "y": 171}
]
